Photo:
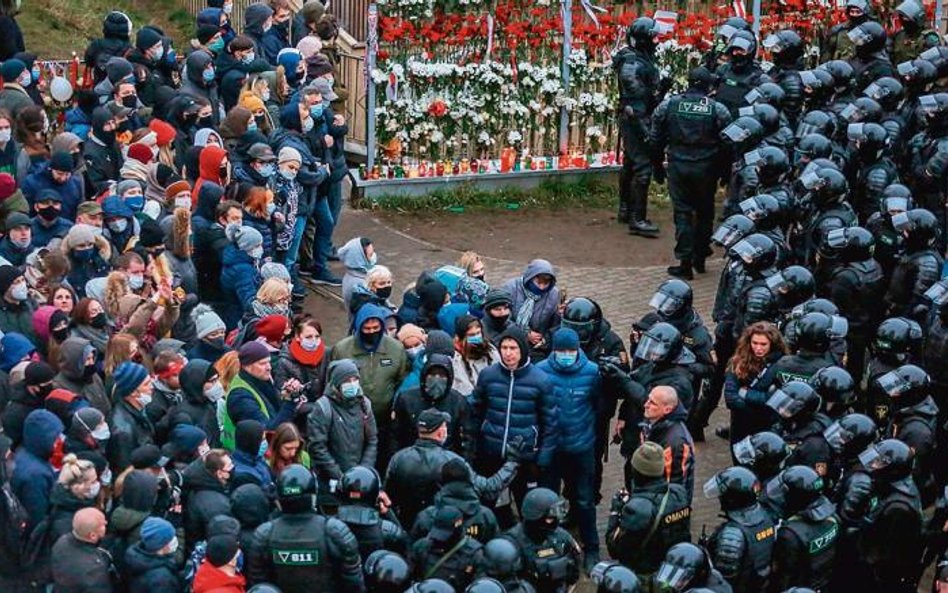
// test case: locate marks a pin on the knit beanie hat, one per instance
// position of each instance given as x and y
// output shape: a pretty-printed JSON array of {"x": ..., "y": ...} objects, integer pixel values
[
  {"x": 649, "y": 460},
  {"x": 37, "y": 373},
  {"x": 151, "y": 234},
  {"x": 8, "y": 275},
  {"x": 410, "y": 330},
  {"x": 246, "y": 238},
  {"x": 288, "y": 154},
  {"x": 187, "y": 438},
  {"x": 317, "y": 65},
  {"x": 156, "y": 533},
  {"x": 309, "y": 46},
  {"x": 248, "y": 434},
  {"x": 207, "y": 32},
  {"x": 290, "y": 59},
  {"x": 274, "y": 270},
  {"x": 127, "y": 377},
  {"x": 496, "y": 297},
  {"x": 89, "y": 418},
  {"x": 257, "y": 14},
  {"x": 439, "y": 342},
  {"x": 176, "y": 187},
  {"x": 341, "y": 370},
  {"x": 206, "y": 321},
  {"x": 140, "y": 491},
  {"x": 146, "y": 39},
  {"x": 272, "y": 327},
  {"x": 141, "y": 153},
  {"x": 221, "y": 549},
  {"x": 127, "y": 184},
  {"x": 252, "y": 352},
  {"x": 164, "y": 131},
  {"x": 565, "y": 339},
  {"x": 61, "y": 161},
  {"x": 461, "y": 324},
  {"x": 12, "y": 69},
  {"x": 7, "y": 185}
]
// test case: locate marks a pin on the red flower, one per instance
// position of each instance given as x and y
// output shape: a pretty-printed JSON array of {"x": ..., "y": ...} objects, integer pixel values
[{"x": 437, "y": 108}]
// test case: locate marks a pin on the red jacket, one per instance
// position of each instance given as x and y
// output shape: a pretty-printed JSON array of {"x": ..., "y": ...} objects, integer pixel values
[{"x": 210, "y": 579}]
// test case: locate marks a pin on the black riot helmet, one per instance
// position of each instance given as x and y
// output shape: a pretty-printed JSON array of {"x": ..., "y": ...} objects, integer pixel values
[
  {"x": 542, "y": 509},
  {"x": 938, "y": 56},
  {"x": 897, "y": 339},
  {"x": 847, "y": 245},
  {"x": 731, "y": 26},
  {"x": 743, "y": 132},
  {"x": 733, "y": 229},
  {"x": 662, "y": 343},
  {"x": 886, "y": 91},
  {"x": 612, "y": 577},
  {"x": 360, "y": 485},
  {"x": 895, "y": 198},
  {"x": 770, "y": 93},
  {"x": 757, "y": 253},
  {"x": 763, "y": 453},
  {"x": 793, "y": 285},
  {"x": 296, "y": 489},
  {"x": 386, "y": 572},
  {"x": 836, "y": 389},
  {"x": 794, "y": 401},
  {"x": 851, "y": 434},
  {"x": 785, "y": 46},
  {"x": 741, "y": 48},
  {"x": 817, "y": 86},
  {"x": 485, "y": 585},
  {"x": 816, "y": 305},
  {"x": 502, "y": 559},
  {"x": 918, "y": 226},
  {"x": 868, "y": 38},
  {"x": 642, "y": 33},
  {"x": 264, "y": 588},
  {"x": 906, "y": 386},
  {"x": 764, "y": 210},
  {"x": 862, "y": 109},
  {"x": 917, "y": 74},
  {"x": 811, "y": 147},
  {"x": 431, "y": 586},
  {"x": 869, "y": 140},
  {"x": 815, "y": 331},
  {"x": 857, "y": 11},
  {"x": 673, "y": 299},
  {"x": 684, "y": 564},
  {"x": 825, "y": 185},
  {"x": 799, "y": 486},
  {"x": 842, "y": 73},
  {"x": 889, "y": 460},
  {"x": 702, "y": 79},
  {"x": 766, "y": 115},
  {"x": 735, "y": 487},
  {"x": 912, "y": 15},
  {"x": 583, "y": 316},
  {"x": 816, "y": 122},
  {"x": 773, "y": 165}
]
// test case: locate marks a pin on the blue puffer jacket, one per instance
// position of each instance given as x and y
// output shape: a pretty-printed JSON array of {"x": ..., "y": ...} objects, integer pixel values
[
  {"x": 518, "y": 403},
  {"x": 240, "y": 280},
  {"x": 71, "y": 192},
  {"x": 577, "y": 390},
  {"x": 33, "y": 476}
]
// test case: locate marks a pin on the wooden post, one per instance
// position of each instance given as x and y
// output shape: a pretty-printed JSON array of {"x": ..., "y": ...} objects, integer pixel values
[{"x": 371, "y": 50}]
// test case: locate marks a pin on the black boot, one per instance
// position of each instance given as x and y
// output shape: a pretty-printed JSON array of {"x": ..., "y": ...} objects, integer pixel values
[
  {"x": 643, "y": 228},
  {"x": 624, "y": 190},
  {"x": 639, "y": 224},
  {"x": 682, "y": 270}
]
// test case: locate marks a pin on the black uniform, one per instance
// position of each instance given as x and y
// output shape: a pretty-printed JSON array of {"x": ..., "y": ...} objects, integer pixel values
[
  {"x": 736, "y": 80},
  {"x": 551, "y": 559},
  {"x": 372, "y": 530},
  {"x": 805, "y": 550},
  {"x": 802, "y": 365},
  {"x": 810, "y": 447},
  {"x": 888, "y": 248},
  {"x": 457, "y": 560},
  {"x": 742, "y": 546},
  {"x": 930, "y": 176},
  {"x": 655, "y": 507},
  {"x": 916, "y": 426},
  {"x": 891, "y": 539},
  {"x": 915, "y": 273}
]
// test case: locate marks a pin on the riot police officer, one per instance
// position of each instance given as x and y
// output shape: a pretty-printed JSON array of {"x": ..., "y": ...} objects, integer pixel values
[
  {"x": 791, "y": 287},
  {"x": 929, "y": 166},
  {"x": 431, "y": 586},
  {"x": 872, "y": 169},
  {"x": 827, "y": 209},
  {"x": 358, "y": 492},
  {"x": 898, "y": 341},
  {"x": 551, "y": 556},
  {"x": 848, "y": 276},
  {"x": 685, "y": 130},
  {"x": 870, "y": 62},
  {"x": 797, "y": 404},
  {"x": 838, "y": 45},
  {"x": 919, "y": 267},
  {"x": 807, "y": 540},
  {"x": 650, "y": 517},
  {"x": 915, "y": 35},
  {"x": 612, "y": 577},
  {"x": 889, "y": 246},
  {"x": 836, "y": 389},
  {"x": 768, "y": 216},
  {"x": 687, "y": 567},
  {"x": 773, "y": 168},
  {"x": 810, "y": 146},
  {"x": 386, "y": 572},
  {"x": 892, "y": 537},
  {"x": 457, "y": 490},
  {"x": 485, "y": 585},
  {"x": 741, "y": 546},
  {"x": 755, "y": 302},
  {"x": 740, "y": 73},
  {"x": 446, "y": 552},
  {"x": 913, "y": 420},
  {"x": 503, "y": 561},
  {"x": 717, "y": 55},
  {"x": 814, "y": 332},
  {"x": 889, "y": 93},
  {"x": 640, "y": 91},
  {"x": 302, "y": 550},
  {"x": 786, "y": 49},
  {"x": 764, "y": 453},
  {"x": 935, "y": 351}
]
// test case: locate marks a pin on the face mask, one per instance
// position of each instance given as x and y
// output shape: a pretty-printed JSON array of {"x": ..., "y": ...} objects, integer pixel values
[
  {"x": 252, "y": 126},
  {"x": 248, "y": 58},
  {"x": 316, "y": 110},
  {"x": 49, "y": 213},
  {"x": 136, "y": 203},
  {"x": 101, "y": 433},
  {"x": 307, "y": 124},
  {"x": 215, "y": 46},
  {"x": 265, "y": 95},
  {"x": 94, "y": 490},
  {"x": 158, "y": 53},
  {"x": 35, "y": 72},
  {"x": 98, "y": 321},
  {"x": 350, "y": 390},
  {"x": 21, "y": 243},
  {"x": 206, "y": 122},
  {"x": 256, "y": 253},
  {"x": 118, "y": 226},
  {"x": 266, "y": 27},
  {"x": 271, "y": 208},
  {"x": 228, "y": 8},
  {"x": 88, "y": 372},
  {"x": 106, "y": 477},
  {"x": 215, "y": 392},
  {"x": 475, "y": 340},
  {"x": 262, "y": 450},
  {"x": 182, "y": 203},
  {"x": 136, "y": 281},
  {"x": 6, "y": 135},
  {"x": 82, "y": 255},
  {"x": 436, "y": 386},
  {"x": 414, "y": 353},
  {"x": 61, "y": 334},
  {"x": 565, "y": 358},
  {"x": 20, "y": 292},
  {"x": 144, "y": 399},
  {"x": 371, "y": 339},
  {"x": 267, "y": 170},
  {"x": 208, "y": 75},
  {"x": 384, "y": 292},
  {"x": 130, "y": 101},
  {"x": 25, "y": 80},
  {"x": 288, "y": 174},
  {"x": 310, "y": 344},
  {"x": 173, "y": 546}
]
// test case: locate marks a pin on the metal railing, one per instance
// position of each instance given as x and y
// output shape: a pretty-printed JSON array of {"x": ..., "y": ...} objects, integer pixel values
[{"x": 352, "y": 75}]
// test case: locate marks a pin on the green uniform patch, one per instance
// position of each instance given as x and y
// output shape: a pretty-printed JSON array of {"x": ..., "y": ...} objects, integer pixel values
[
  {"x": 296, "y": 557},
  {"x": 826, "y": 539}
]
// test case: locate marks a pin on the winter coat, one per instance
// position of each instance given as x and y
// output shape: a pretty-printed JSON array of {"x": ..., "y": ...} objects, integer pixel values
[
  {"x": 125, "y": 530},
  {"x": 63, "y": 504},
  {"x": 577, "y": 389},
  {"x": 252, "y": 469},
  {"x": 22, "y": 402},
  {"x": 467, "y": 370},
  {"x": 13, "y": 254},
  {"x": 11, "y": 38},
  {"x": 33, "y": 475},
  {"x": 80, "y": 567},
  {"x": 545, "y": 317},
  {"x": 242, "y": 405},
  {"x": 265, "y": 227},
  {"x": 72, "y": 364},
  {"x": 130, "y": 428},
  {"x": 341, "y": 434},
  {"x": 145, "y": 571},
  {"x": 249, "y": 505},
  {"x": 209, "y": 244},
  {"x": 17, "y": 317},
  {"x": 381, "y": 369},
  {"x": 671, "y": 433},
  {"x": 240, "y": 279},
  {"x": 287, "y": 367},
  {"x": 200, "y": 410},
  {"x": 205, "y": 498},
  {"x": 479, "y": 521},
  {"x": 13, "y": 99},
  {"x": 352, "y": 256},
  {"x": 95, "y": 267},
  {"x": 210, "y": 579},
  {"x": 71, "y": 192},
  {"x": 515, "y": 403},
  {"x": 43, "y": 235},
  {"x": 103, "y": 163}
]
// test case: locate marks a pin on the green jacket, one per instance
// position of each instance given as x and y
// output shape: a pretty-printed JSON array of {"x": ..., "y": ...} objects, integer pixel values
[
  {"x": 15, "y": 203},
  {"x": 381, "y": 371},
  {"x": 17, "y": 318}
]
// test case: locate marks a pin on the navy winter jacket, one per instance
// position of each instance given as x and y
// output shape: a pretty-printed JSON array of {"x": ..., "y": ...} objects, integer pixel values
[
  {"x": 577, "y": 390},
  {"x": 71, "y": 192},
  {"x": 33, "y": 476},
  {"x": 240, "y": 280}
]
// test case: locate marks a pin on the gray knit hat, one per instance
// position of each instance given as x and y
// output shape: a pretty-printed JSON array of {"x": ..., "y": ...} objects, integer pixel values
[
  {"x": 649, "y": 460},
  {"x": 206, "y": 321},
  {"x": 341, "y": 370},
  {"x": 274, "y": 270},
  {"x": 246, "y": 238},
  {"x": 126, "y": 185},
  {"x": 439, "y": 342}
]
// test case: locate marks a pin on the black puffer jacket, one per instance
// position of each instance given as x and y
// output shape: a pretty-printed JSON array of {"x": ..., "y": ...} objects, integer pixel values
[
  {"x": 479, "y": 521},
  {"x": 201, "y": 411},
  {"x": 130, "y": 428},
  {"x": 204, "y": 498}
]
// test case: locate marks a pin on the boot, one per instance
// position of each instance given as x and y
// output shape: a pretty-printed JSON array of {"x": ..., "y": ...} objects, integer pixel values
[
  {"x": 638, "y": 223},
  {"x": 624, "y": 190},
  {"x": 699, "y": 266},
  {"x": 643, "y": 228},
  {"x": 623, "y": 215},
  {"x": 682, "y": 270}
]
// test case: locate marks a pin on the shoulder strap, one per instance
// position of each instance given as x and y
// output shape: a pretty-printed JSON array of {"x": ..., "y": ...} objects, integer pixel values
[
  {"x": 658, "y": 518},
  {"x": 447, "y": 556},
  {"x": 326, "y": 407}
]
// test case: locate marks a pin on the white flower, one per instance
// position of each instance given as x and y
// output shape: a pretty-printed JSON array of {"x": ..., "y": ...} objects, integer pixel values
[{"x": 514, "y": 137}]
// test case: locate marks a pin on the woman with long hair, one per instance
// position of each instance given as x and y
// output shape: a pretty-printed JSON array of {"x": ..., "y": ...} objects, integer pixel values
[
  {"x": 62, "y": 297},
  {"x": 286, "y": 448},
  {"x": 305, "y": 358},
  {"x": 750, "y": 374},
  {"x": 90, "y": 321}
]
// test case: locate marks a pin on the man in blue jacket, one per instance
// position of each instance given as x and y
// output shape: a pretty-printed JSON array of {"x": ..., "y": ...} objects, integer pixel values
[
  {"x": 57, "y": 175},
  {"x": 514, "y": 401},
  {"x": 33, "y": 475},
  {"x": 577, "y": 389}
]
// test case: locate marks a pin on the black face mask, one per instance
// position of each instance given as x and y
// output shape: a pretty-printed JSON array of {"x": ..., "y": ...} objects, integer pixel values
[
  {"x": 98, "y": 321},
  {"x": 384, "y": 292},
  {"x": 124, "y": 127},
  {"x": 130, "y": 101},
  {"x": 88, "y": 372},
  {"x": 60, "y": 334},
  {"x": 499, "y": 321},
  {"x": 48, "y": 213},
  {"x": 205, "y": 122},
  {"x": 216, "y": 342},
  {"x": 371, "y": 340}
]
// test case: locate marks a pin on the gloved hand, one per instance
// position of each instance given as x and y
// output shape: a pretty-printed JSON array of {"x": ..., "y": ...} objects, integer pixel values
[
  {"x": 517, "y": 449},
  {"x": 619, "y": 500},
  {"x": 665, "y": 85}
]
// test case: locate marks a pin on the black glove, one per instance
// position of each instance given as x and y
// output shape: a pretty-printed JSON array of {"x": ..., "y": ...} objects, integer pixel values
[
  {"x": 665, "y": 85},
  {"x": 517, "y": 450}
]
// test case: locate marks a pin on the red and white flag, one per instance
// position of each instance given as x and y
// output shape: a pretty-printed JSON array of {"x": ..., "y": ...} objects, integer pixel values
[
  {"x": 737, "y": 6},
  {"x": 666, "y": 19}
]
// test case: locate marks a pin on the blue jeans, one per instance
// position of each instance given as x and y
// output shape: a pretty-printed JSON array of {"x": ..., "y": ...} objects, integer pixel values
[
  {"x": 293, "y": 253},
  {"x": 323, "y": 223},
  {"x": 335, "y": 205},
  {"x": 578, "y": 472}
]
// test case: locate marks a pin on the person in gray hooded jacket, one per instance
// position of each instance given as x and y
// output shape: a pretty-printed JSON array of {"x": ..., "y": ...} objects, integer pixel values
[
  {"x": 534, "y": 304},
  {"x": 341, "y": 428}
]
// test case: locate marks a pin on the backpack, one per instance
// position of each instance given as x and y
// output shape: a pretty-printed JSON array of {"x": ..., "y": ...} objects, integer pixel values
[{"x": 13, "y": 527}]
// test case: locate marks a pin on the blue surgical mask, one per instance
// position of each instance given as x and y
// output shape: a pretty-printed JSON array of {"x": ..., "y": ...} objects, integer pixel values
[
  {"x": 136, "y": 203},
  {"x": 475, "y": 340},
  {"x": 216, "y": 46},
  {"x": 271, "y": 208},
  {"x": 350, "y": 390},
  {"x": 82, "y": 255},
  {"x": 252, "y": 126},
  {"x": 263, "y": 448},
  {"x": 565, "y": 359},
  {"x": 208, "y": 75},
  {"x": 267, "y": 170},
  {"x": 248, "y": 58},
  {"x": 265, "y": 95},
  {"x": 288, "y": 174},
  {"x": 171, "y": 57},
  {"x": 316, "y": 110},
  {"x": 36, "y": 73}
]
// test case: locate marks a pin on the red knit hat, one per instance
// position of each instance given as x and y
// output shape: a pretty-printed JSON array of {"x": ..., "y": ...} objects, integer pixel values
[
  {"x": 7, "y": 185},
  {"x": 163, "y": 130},
  {"x": 140, "y": 153},
  {"x": 272, "y": 327}
]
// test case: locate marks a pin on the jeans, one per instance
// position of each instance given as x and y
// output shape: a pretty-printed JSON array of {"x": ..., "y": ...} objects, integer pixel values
[
  {"x": 335, "y": 200},
  {"x": 318, "y": 231},
  {"x": 578, "y": 472}
]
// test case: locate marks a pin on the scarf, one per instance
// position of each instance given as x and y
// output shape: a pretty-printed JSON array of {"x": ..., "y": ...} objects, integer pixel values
[
  {"x": 305, "y": 357},
  {"x": 261, "y": 310},
  {"x": 98, "y": 337},
  {"x": 525, "y": 312},
  {"x": 153, "y": 189},
  {"x": 136, "y": 170}
]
